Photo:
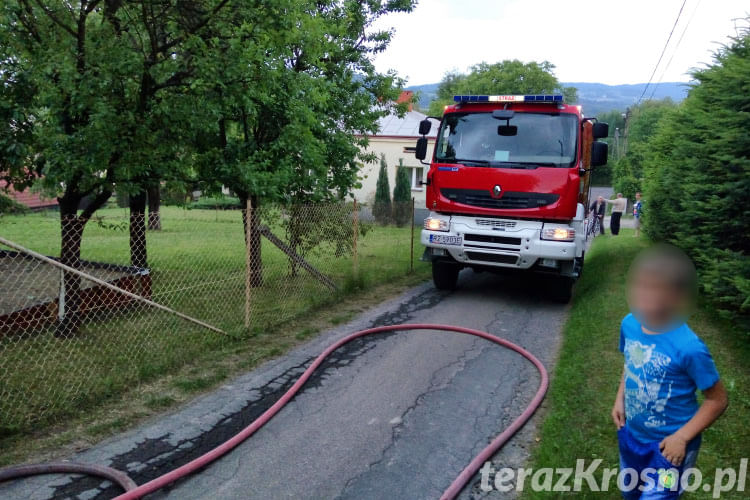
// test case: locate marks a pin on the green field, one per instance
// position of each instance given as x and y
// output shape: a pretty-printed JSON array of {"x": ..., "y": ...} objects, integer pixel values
[
  {"x": 577, "y": 421},
  {"x": 197, "y": 264}
]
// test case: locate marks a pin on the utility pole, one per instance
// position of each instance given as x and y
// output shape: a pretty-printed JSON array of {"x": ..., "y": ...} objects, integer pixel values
[
  {"x": 617, "y": 143},
  {"x": 625, "y": 135}
]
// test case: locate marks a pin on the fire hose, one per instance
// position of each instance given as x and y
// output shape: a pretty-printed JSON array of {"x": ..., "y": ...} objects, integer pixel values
[{"x": 132, "y": 491}]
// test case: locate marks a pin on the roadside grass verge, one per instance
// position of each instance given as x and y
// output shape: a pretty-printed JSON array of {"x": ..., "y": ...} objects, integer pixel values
[
  {"x": 135, "y": 363},
  {"x": 577, "y": 423}
]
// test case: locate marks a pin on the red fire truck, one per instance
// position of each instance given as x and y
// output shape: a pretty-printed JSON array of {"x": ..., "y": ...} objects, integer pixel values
[{"x": 508, "y": 187}]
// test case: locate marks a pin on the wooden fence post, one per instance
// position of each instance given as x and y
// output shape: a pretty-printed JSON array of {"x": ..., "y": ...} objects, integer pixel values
[{"x": 411, "y": 260}]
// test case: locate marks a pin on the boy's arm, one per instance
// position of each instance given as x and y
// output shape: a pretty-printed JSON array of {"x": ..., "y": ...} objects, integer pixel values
[
  {"x": 716, "y": 401},
  {"x": 618, "y": 410}
]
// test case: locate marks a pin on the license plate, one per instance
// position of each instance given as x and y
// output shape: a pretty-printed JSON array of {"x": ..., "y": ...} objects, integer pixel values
[{"x": 446, "y": 239}]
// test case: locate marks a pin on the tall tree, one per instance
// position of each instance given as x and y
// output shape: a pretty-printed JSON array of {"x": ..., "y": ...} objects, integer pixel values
[
  {"x": 402, "y": 196},
  {"x": 381, "y": 209},
  {"x": 642, "y": 125},
  {"x": 102, "y": 81},
  {"x": 697, "y": 178},
  {"x": 505, "y": 77},
  {"x": 292, "y": 113}
]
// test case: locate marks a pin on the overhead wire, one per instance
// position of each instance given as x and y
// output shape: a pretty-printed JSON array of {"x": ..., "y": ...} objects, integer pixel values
[
  {"x": 653, "y": 73},
  {"x": 676, "y": 48}
]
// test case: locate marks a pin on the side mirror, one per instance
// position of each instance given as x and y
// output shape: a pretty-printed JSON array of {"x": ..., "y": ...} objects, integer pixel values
[
  {"x": 420, "y": 151},
  {"x": 600, "y": 130},
  {"x": 424, "y": 127},
  {"x": 599, "y": 153}
]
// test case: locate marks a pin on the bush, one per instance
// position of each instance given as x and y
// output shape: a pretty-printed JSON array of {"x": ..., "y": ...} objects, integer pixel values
[
  {"x": 697, "y": 179},
  {"x": 626, "y": 180},
  {"x": 10, "y": 206},
  {"x": 402, "y": 196},
  {"x": 223, "y": 203},
  {"x": 175, "y": 193},
  {"x": 381, "y": 209},
  {"x": 644, "y": 121}
]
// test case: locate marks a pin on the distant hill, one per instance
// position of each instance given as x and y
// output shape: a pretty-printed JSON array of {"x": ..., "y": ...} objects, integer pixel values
[
  {"x": 427, "y": 93},
  {"x": 598, "y": 98},
  {"x": 594, "y": 97}
]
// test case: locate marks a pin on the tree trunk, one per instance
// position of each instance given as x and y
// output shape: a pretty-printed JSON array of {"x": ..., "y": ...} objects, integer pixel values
[
  {"x": 154, "y": 203},
  {"x": 138, "y": 255},
  {"x": 71, "y": 233},
  {"x": 253, "y": 239}
]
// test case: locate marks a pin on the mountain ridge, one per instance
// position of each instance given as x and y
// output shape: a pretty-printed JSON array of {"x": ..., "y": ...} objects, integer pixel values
[{"x": 594, "y": 97}]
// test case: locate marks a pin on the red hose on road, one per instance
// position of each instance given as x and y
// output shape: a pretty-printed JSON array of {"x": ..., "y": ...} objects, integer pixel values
[
  {"x": 456, "y": 486},
  {"x": 108, "y": 473}
]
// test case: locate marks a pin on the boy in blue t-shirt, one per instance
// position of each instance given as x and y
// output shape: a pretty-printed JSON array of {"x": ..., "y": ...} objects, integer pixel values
[
  {"x": 656, "y": 412},
  {"x": 637, "y": 212}
]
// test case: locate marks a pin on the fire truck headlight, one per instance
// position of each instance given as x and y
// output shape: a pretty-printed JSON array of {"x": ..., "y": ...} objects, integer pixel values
[
  {"x": 559, "y": 233},
  {"x": 436, "y": 224}
]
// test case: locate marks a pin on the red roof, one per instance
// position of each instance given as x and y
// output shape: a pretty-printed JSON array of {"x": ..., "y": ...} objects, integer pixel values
[
  {"x": 26, "y": 197},
  {"x": 406, "y": 96}
]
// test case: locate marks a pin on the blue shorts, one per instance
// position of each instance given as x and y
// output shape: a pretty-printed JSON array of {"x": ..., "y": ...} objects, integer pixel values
[{"x": 650, "y": 475}]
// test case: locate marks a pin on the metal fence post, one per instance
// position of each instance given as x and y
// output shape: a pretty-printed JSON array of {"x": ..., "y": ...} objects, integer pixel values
[
  {"x": 411, "y": 259},
  {"x": 355, "y": 257},
  {"x": 248, "y": 262}
]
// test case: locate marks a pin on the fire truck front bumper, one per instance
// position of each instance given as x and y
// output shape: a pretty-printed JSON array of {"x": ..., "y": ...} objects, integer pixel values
[{"x": 519, "y": 244}]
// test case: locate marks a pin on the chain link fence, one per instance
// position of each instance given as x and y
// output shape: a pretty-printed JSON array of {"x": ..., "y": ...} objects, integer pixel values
[{"x": 79, "y": 327}]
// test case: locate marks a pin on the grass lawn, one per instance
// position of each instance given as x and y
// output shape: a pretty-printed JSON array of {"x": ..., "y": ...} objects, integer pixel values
[
  {"x": 198, "y": 268},
  {"x": 577, "y": 421}
]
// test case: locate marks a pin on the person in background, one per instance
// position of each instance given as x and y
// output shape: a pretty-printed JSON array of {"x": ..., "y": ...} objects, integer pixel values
[
  {"x": 619, "y": 205},
  {"x": 598, "y": 207},
  {"x": 637, "y": 211}
]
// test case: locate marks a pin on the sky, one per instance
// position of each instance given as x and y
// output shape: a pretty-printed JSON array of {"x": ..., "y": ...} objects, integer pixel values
[{"x": 605, "y": 41}]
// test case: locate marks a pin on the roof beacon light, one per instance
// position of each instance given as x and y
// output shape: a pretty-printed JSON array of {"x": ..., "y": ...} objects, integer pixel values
[{"x": 536, "y": 99}]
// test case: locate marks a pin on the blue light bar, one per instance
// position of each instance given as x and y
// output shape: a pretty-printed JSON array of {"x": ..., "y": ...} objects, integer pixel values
[{"x": 536, "y": 99}]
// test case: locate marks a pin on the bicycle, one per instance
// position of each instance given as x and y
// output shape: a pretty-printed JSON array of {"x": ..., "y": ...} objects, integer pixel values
[{"x": 593, "y": 225}]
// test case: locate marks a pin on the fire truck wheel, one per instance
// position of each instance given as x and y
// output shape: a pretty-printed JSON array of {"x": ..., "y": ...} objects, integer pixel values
[
  {"x": 562, "y": 290},
  {"x": 444, "y": 275}
]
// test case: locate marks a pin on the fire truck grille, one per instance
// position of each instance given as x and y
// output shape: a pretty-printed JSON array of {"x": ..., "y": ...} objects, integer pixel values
[
  {"x": 500, "y": 240},
  {"x": 492, "y": 257},
  {"x": 508, "y": 200},
  {"x": 496, "y": 223}
]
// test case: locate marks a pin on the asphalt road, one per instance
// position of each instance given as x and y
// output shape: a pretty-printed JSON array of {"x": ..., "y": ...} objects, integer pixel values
[{"x": 396, "y": 416}]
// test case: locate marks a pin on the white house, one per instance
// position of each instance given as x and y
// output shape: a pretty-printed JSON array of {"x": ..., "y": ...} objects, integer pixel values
[{"x": 396, "y": 139}]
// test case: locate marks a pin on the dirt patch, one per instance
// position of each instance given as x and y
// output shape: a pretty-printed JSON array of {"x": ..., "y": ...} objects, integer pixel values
[{"x": 28, "y": 282}]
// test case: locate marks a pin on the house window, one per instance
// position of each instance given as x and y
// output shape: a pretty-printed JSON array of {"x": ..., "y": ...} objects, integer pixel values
[{"x": 417, "y": 175}]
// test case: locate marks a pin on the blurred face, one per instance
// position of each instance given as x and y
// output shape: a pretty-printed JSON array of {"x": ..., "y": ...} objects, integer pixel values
[
  {"x": 655, "y": 301},
  {"x": 637, "y": 196},
  {"x": 600, "y": 199}
]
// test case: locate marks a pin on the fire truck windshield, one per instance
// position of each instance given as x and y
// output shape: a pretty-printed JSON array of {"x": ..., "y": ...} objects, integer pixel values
[{"x": 532, "y": 140}]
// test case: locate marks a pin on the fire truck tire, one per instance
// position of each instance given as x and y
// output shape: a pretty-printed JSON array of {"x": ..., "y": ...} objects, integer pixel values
[
  {"x": 562, "y": 289},
  {"x": 579, "y": 263},
  {"x": 444, "y": 275}
]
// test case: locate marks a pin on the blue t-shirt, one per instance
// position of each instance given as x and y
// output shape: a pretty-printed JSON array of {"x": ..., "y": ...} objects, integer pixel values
[
  {"x": 662, "y": 373},
  {"x": 637, "y": 209}
]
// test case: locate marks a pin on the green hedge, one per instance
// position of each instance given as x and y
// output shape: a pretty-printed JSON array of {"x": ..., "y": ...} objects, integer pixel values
[
  {"x": 697, "y": 178},
  {"x": 10, "y": 206},
  {"x": 224, "y": 203}
]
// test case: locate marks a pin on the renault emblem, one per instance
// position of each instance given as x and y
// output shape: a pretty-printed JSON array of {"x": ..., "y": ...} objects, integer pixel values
[{"x": 497, "y": 191}]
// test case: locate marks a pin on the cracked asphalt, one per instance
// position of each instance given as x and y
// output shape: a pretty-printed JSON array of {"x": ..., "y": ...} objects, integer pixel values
[{"x": 394, "y": 416}]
